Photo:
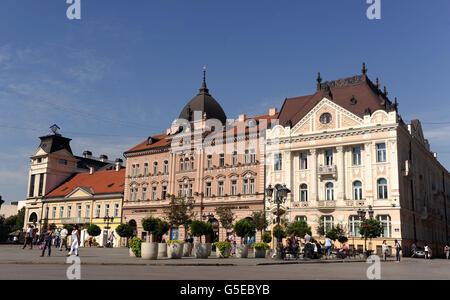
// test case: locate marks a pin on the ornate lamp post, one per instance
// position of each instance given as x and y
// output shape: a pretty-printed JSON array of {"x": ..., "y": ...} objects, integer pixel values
[
  {"x": 362, "y": 217},
  {"x": 280, "y": 197},
  {"x": 108, "y": 220}
]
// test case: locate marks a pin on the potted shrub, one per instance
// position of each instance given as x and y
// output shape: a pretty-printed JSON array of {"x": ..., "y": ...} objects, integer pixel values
[
  {"x": 150, "y": 250},
  {"x": 223, "y": 249},
  {"x": 93, "y": 230},
  {"x": 267, "y": 238},
  {"x": 124, "y": 231},
  {"x": 161, "y": 229},
  {"x": 243, "y": 228},
  {"x": 136, "y": 246},
  {"x": 207, "y": 233},
  {"x": 260, "y": 249},
  {"x": 175, "y": 249},
  {"x": 198, "y": 229}
]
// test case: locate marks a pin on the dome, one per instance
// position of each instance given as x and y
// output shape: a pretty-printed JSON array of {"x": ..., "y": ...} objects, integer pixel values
[{"x": 205, "y": 103}]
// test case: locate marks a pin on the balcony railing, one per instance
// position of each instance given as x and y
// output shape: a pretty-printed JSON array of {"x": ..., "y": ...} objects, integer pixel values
[{"x": 327, "y": 170}]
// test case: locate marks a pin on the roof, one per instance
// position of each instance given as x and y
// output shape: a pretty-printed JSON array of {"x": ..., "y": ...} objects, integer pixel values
[
  {"x": 55, "y": 142},
  {"x": 357, "y": 94},
  {"x": 102, "y": 182}
]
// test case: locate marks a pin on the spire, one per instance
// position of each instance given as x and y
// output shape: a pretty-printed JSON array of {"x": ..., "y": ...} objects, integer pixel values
[
  {"x": 385, "y": 91},
  {"x": 377, "y": 84},
  {"x": 319, "y": 81},
  {"x": 204, "y": 89},
  {"x": 364, "y": 69}
]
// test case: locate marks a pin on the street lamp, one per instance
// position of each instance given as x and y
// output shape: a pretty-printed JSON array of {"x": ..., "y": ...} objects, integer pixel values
[
  {"x": 362, "y": 216},
  {"x": 108, "y": 220},
  {"x": 281, "y": 192}
]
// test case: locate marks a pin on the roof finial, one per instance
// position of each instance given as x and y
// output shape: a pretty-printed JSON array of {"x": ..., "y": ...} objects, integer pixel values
[
  {"x": 377, "y": 84},
  {"x": 319, "y": 81},
  {"x": 385, "y": 91},
  {"x": 204, "y": 89},
  {"x": 364, "y": 69}
]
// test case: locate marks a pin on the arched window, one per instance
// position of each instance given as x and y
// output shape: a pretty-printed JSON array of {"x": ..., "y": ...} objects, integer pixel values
[
  {"x": 329, "y": 191},
  {"x": 186, "y": 164},
  {"x": 387, "y": 225},
  {"x": 192, "y": 163},
  {"x": 303, "y": 193},
  {"x": 357, "y": 190},
  {"x": 155, "y": 168},
  {"x": 382, "y": 188},
  {"x": 181, "y": 164},
  {"x": 166, "y": 167}
]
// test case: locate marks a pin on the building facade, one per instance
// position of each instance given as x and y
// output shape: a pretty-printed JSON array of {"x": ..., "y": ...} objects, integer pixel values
[
  {"x": 345, "y": 148},
  {"x": 189, "y": 161}
]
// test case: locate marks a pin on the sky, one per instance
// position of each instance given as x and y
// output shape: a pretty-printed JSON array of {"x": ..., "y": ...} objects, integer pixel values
[{"x": 125, "y": 70}]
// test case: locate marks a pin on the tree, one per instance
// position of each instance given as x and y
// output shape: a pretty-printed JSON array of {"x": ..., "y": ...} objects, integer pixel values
[
  {"x": 150, "y": 225},
  {"x": 226, "y": 217},
  {"x": 94, "y": 230},
  {"x": 370, "y": 229},
  {"x": 180, "y": 212},
  {"x": 266, "y": 237},
  {"x": 260, "y": 221},
  {"x": 300, "y": 227},
  {"x": 198, "y": 228},
  {"x": 15, "y": 222},
  {"x": 161, "y": 229},
  {"x": 244, "y": 228},
  {"x": 124, "y": 230},
  {"x": 279, "y": 232}
]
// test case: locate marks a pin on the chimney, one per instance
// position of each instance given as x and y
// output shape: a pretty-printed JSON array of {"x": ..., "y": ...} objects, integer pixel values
[
  {"x": 91, "y": 170},
  {"x": 273, "y": 112},
  {"x": 242, "y": 117},
  {"x": 118, "y": 164},
  {"x": 103, "y": 158},
  {"x": 87, "y": 154}
]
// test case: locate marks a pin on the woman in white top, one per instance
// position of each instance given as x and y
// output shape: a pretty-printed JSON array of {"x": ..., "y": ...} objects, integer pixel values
[
  {"x": 385, "y": 249},
  {"x": 75, "y": 241}
]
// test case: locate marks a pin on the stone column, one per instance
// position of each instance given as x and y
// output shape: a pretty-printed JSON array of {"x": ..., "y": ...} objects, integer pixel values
[
  {"x": 313, "y": 174},
  {"x": 368, "y": 192},
  {"x": 340, "y": 173}
]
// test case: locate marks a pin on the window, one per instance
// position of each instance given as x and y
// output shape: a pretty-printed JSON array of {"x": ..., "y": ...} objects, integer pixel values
[
  {"x": 116, "y": 209},
  {"x": 329, "y": 157},
  {"x": 144, "y": 193},
  {"x": 54, "y": 212},
  {"x": 325, "y": 118},
  {"x": 32, "y": 179},
  {"x": 252, "y": 156},
  {"x": 79, "y": 211},
  {"x": 69, "y": 211},
  {"x": 180, "y": 190},
  {"x": 234, "y": 158},
  {"x": 181, "y": 164},
  {"x": 41, "y": 184},
  {"x": 166, "y": 167},
  {"x": 245, "y": 187},
  {"x": 97, "y": 210},
  {"x": 381, "y": 152},
  {"x": 301, "y": 218},
  {"x": 329, "y": 191},
  {"x": 303, "y": 161},
  {"x": 387, "y": 225},
  {"x": 192, "y": 164},
  {"x": 221, "y": 159},
  {"x": 153, "y": 193},
  {"x": 155, "y": 168},
  {"x": 164, "y": 192},
  {"x": 357, "y": 190},
  {"x": 303, "y": 193},
  {"x": 246, "y": 157},
  {"x": 133, "y": 170},
  {"x": 138, "y": 171},
  {"x": 186, "y": 164},
  {"x": 62, "y": 161},
  {"x": 185, "y": 190},
  {"x": 233, "y": 187},
  {"x": 208, "y": 189},
  {"x": 220, "y": 188},
  {"x": 145, "y": 169},
  {"x": 252, "y": 186},
  {"x": 278, "y": 161},
  {"x": 87, "y": 211},
  {"x": 107, "y": 210},
  {"x": 191, "y": 190},
  {"x": 47, "y": 212},
  {"x": 382, "y": 188},
  {"x": 209, "y": 161},
  {"x": 354, "y": 223},
  {"x": 356, "y": 156},
  {"x": 327, "y": 223},
  {"x": 61, "y": 212}
]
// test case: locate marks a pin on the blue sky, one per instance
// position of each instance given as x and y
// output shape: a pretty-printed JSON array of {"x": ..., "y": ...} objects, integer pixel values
[{"x": 126, "y": 69}]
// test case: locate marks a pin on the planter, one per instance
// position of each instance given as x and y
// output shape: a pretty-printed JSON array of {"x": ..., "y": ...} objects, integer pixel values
[
  {"x": 260, "y": 253},
  {"x": 208, "y": 248},
  {"x": 226, "y": 253},
  {"x": 131, "y": 252},
  {"x": 201, "y": 250},
  {"x": 149, "y": 251},
  {"x": 268, "y": 253},
  {"x": 241, "y": 251},
  {"x": 187, "y": 249},
  {"x": 162, "y": 250},
  {"x": 175, "y": 250}
]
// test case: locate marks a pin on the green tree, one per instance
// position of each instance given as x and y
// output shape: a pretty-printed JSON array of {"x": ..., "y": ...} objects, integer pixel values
[
  {"x": 124, "y": 230},
  {"x": 300, "y": 227},
  {"x": 371, "y": 229},
  {"x": 267, "y": 237},
  {"x": 150, "y": 225},
  {"x": 161, "y": 229},
  {"x": 279, "y": 231},
  {"x": 15, "y": 222},
  {"x": 180, "y": 211},
  {"x": 94, "y": 230},
  {"x": 198, "y": 228},
  {"x": 260, "y": 221},
  {"x": 244, "y": 228},
  {"x": 226, "y": 217}
]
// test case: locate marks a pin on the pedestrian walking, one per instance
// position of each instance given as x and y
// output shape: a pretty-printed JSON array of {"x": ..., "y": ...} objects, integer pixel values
[
  {"x": 413, "y": 249},
  {"x": 48, "y": 236},
  {"x": 28, "y": 237},
  {"x": 426, "y": 248},
  {"x": 328, "y": 246},
  {"x": 398, "y": 248},
  {"x": 232, "y": 238},
  {"x": 57, "y": 237},
  {"x": 446, "y": 251},
  {"x": 63, "y": 236},
  {"x": 75, "y": 241},
  {"x": 385, "y": 249}
]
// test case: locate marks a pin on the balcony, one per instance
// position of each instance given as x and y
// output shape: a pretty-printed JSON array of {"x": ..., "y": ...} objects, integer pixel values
[
  {"x": 326, "y": 204},
  {"x": 327, "y": 170}
]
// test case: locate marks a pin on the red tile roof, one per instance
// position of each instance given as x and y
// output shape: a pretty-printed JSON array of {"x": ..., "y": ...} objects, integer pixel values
[{"x": 102, "y": 182}]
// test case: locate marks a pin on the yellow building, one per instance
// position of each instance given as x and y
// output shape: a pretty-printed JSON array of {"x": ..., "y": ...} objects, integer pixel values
[{"x": 88, "y": 198}]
